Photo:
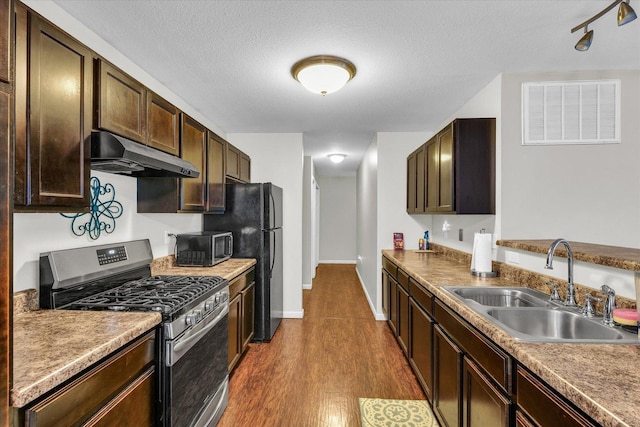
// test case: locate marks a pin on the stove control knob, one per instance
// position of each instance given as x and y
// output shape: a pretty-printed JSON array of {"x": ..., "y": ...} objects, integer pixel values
[
  {"x": 208, "y": 306},
  {"x": 198, "y": 314},
  {"x": 217, "y": 298},
  {"x": 191, "y": 319}
]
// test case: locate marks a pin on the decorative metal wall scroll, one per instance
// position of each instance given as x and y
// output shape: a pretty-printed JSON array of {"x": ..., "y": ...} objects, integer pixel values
[{"x": 104, "y": 210}]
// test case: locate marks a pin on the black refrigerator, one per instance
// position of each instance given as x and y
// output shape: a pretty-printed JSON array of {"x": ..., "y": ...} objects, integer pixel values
[{"x": 253, "y": 214}]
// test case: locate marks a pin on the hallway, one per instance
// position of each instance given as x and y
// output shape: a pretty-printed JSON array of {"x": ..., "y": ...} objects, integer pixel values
[{"x": 313, "y": 371}]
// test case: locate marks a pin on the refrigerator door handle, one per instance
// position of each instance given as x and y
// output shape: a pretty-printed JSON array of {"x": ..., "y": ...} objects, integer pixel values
[
  {"x": 272, "y": 202},
  {"x": 273, "y": 259}
]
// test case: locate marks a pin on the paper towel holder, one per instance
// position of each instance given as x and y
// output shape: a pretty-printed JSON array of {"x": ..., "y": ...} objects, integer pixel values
[{"x": 484, "y": 273}]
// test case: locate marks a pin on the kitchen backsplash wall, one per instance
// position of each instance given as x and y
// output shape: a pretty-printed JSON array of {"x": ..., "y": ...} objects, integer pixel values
[{"x": 34, "y": 233}]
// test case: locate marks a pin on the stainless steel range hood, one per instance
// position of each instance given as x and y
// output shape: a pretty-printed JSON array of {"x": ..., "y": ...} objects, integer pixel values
[{"x": 115, "y": 154}]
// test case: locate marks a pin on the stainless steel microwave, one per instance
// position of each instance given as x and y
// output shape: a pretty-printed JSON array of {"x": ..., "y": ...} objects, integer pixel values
[{"x": 203, "y": 248}]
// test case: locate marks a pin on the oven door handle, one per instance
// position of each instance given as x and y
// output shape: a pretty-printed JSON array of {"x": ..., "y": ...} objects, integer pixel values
[{"x": 179, "y": 347}]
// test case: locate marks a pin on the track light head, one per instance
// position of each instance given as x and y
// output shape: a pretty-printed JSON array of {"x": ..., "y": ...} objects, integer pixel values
[
  {"x": 626, "y": 13},
  {"x": 585, "y": 42}
]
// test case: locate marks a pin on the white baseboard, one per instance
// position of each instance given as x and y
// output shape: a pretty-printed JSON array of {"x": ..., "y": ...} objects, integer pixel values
[
  {"x": 307, "y": 286},
  {"x": 377, "y": 316},
  {"x": 293, "y": 314},
  {"x": 336, "y": 261}
]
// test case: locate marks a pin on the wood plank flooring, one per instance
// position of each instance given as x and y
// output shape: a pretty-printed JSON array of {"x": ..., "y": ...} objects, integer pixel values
[{"x": 315, "y": 369}]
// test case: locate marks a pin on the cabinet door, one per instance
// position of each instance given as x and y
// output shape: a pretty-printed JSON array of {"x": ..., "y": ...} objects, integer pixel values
[
  {"x": 235, "y": 325},
  {"x": 421, "y": 169},
  {"x": 245, "y": 168},
  {"x": 421, "y": 346},
  {"x": 482, "y": 403},
  {"x": 432, "y": 186},
  {"x": 216, "y": 147},
  {"x": 445, "y": 170},
  {"x": 522, "y": 420},
  {"x": 194, "y": 148},
  {"x": 446, "y": 379},
  {"x": 121, "y": 103},
  {"x": 5, "y": 37},
  {"x": 53, "y": 117},
  {"x": 248, "y": 314},
  {"x": 403, "y": 319},
  {"x": 411, "y": 183},
  {"x": 233, "y": 162},
  {"x": 163, "y": 124},
  {"x": 385, "y": 294},
  {"x": 393, "y": 305}
]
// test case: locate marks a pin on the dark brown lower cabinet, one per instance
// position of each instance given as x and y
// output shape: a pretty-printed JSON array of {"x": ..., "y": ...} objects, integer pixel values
[
  {"x": 447, "y": 367},
  {"x": 482, "y": 403},
  {"x": 544, "y": 406},
  {"x": 248, "y": 314},
  {"x": 118, "y": 391},
  {"x": 393, "y": 305},
  {"x": 403, "y": 319},
  {"x": 385, "y": 293},
  {"x": 522, "y": 420},
  {"x": 421, "y": 340},
  {"x": 234, "y": 330}
]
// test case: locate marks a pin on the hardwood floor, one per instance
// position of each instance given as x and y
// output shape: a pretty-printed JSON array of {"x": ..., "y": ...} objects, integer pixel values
[{"x": 313, "y": 371}]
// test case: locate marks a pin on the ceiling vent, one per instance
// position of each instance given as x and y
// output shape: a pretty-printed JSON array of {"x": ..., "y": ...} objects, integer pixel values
[{"x": 571, "y": 112}]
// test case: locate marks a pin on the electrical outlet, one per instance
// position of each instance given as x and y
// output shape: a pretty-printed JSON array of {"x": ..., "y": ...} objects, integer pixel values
[
  {"x": 167, "y": 237},
  {"x": 512, "y": 257}
]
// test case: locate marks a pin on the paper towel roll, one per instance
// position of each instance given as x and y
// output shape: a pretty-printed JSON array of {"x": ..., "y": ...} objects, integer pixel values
[{"x": 481, "y": 255}]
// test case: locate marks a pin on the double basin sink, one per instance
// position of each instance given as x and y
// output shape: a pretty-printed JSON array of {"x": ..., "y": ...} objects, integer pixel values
[{"x": 529, "y": 315}]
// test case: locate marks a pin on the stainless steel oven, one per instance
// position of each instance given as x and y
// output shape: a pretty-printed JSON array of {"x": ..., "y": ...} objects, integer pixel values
[
  {"x": 192, "y": 351},
  {"x": 196, "y": 370}
]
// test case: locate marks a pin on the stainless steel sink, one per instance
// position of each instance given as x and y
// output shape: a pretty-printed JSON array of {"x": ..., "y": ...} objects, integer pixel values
[
  {"x": 502, "y": 297},
  {"x": 528, "y": 315}
]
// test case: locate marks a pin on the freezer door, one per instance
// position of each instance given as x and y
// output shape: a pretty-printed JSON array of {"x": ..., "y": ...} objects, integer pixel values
[{"x": 272, "y": 206}]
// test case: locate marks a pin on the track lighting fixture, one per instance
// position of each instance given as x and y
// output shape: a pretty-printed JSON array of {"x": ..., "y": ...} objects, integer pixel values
[{"x": 626, "y": 14}]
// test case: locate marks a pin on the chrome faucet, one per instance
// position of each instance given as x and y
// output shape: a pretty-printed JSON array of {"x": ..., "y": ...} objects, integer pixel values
[
  {"x": 609, "y": 305},
  {"x": 570, "y": 300}
]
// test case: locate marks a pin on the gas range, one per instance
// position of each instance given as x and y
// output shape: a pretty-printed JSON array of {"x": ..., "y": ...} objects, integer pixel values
[{"x": 193, "y": 340}]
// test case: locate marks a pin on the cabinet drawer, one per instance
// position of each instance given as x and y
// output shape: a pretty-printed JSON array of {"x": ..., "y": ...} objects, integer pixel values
[
  {"x": 544, "y": 405},
  {"x": 495, "y": 361},
  {"x": 390, "y": 267},
  {"x": 422, "y": 296},
  {"x": 239, "y": 283},
  {"x": 403, "y": 279},
  {"x": 78, "y": 401},
  {"x": 134, "y": 406}
]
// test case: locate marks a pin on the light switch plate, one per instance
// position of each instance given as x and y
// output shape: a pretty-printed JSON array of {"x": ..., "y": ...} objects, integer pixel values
[{"x": 512, "y": 257}]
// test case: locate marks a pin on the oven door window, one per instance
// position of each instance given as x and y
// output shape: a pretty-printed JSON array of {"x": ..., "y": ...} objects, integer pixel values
[{"x": 197, "y": 375}]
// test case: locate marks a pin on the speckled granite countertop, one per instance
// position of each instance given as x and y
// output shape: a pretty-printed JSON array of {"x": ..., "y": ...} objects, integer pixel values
[
  {"x": 228, "y": 269},
  {"x": 611, "y": 256},
  {"x": 51, "y": 346},
  {"x": 602, "y": 380}
]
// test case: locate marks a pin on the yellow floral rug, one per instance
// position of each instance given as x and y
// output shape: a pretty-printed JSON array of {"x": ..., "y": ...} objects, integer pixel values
[{"x": 396, "y": 413}]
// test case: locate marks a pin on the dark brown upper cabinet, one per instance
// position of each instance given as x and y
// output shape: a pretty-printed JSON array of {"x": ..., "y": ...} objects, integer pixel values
[
  {"x": 238, "y": 165},
  {"x": 416, "y": 169},
  {"x": 5, "y": 40},
  {"x": 216, "y": 147},
  {"x": 459, "y": 170},
  {"x": 194, "y": 148},
  {"x": 53, "y": 117},
  {"x": 127, "y": 108},
  {"x": 163, "y": 121},
  {"x": 120, "y": 103}
]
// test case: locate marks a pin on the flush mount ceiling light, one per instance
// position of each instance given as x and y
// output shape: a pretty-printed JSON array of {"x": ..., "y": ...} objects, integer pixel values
[
  {"x": 626, "y": 14},
  {"x": 323, "y": 74},
  {"x": 337, "y": 158}
]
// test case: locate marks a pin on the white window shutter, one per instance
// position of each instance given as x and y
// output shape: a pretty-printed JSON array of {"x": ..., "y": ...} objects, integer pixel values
[{"x": 571, "y": 112}]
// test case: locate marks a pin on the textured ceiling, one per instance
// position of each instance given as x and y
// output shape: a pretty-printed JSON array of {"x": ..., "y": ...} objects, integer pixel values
[{"x": 417, "y": 61}]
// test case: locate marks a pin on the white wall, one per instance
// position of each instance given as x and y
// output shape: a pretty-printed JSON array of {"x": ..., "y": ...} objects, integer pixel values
[
  {"x": 337, "y": 219},
  {"x": 278, "y": 158},
  {"x": 307, "y": 225},
  {"x": 34, "y": 233},
  {"x": 368, "y": 261}
]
